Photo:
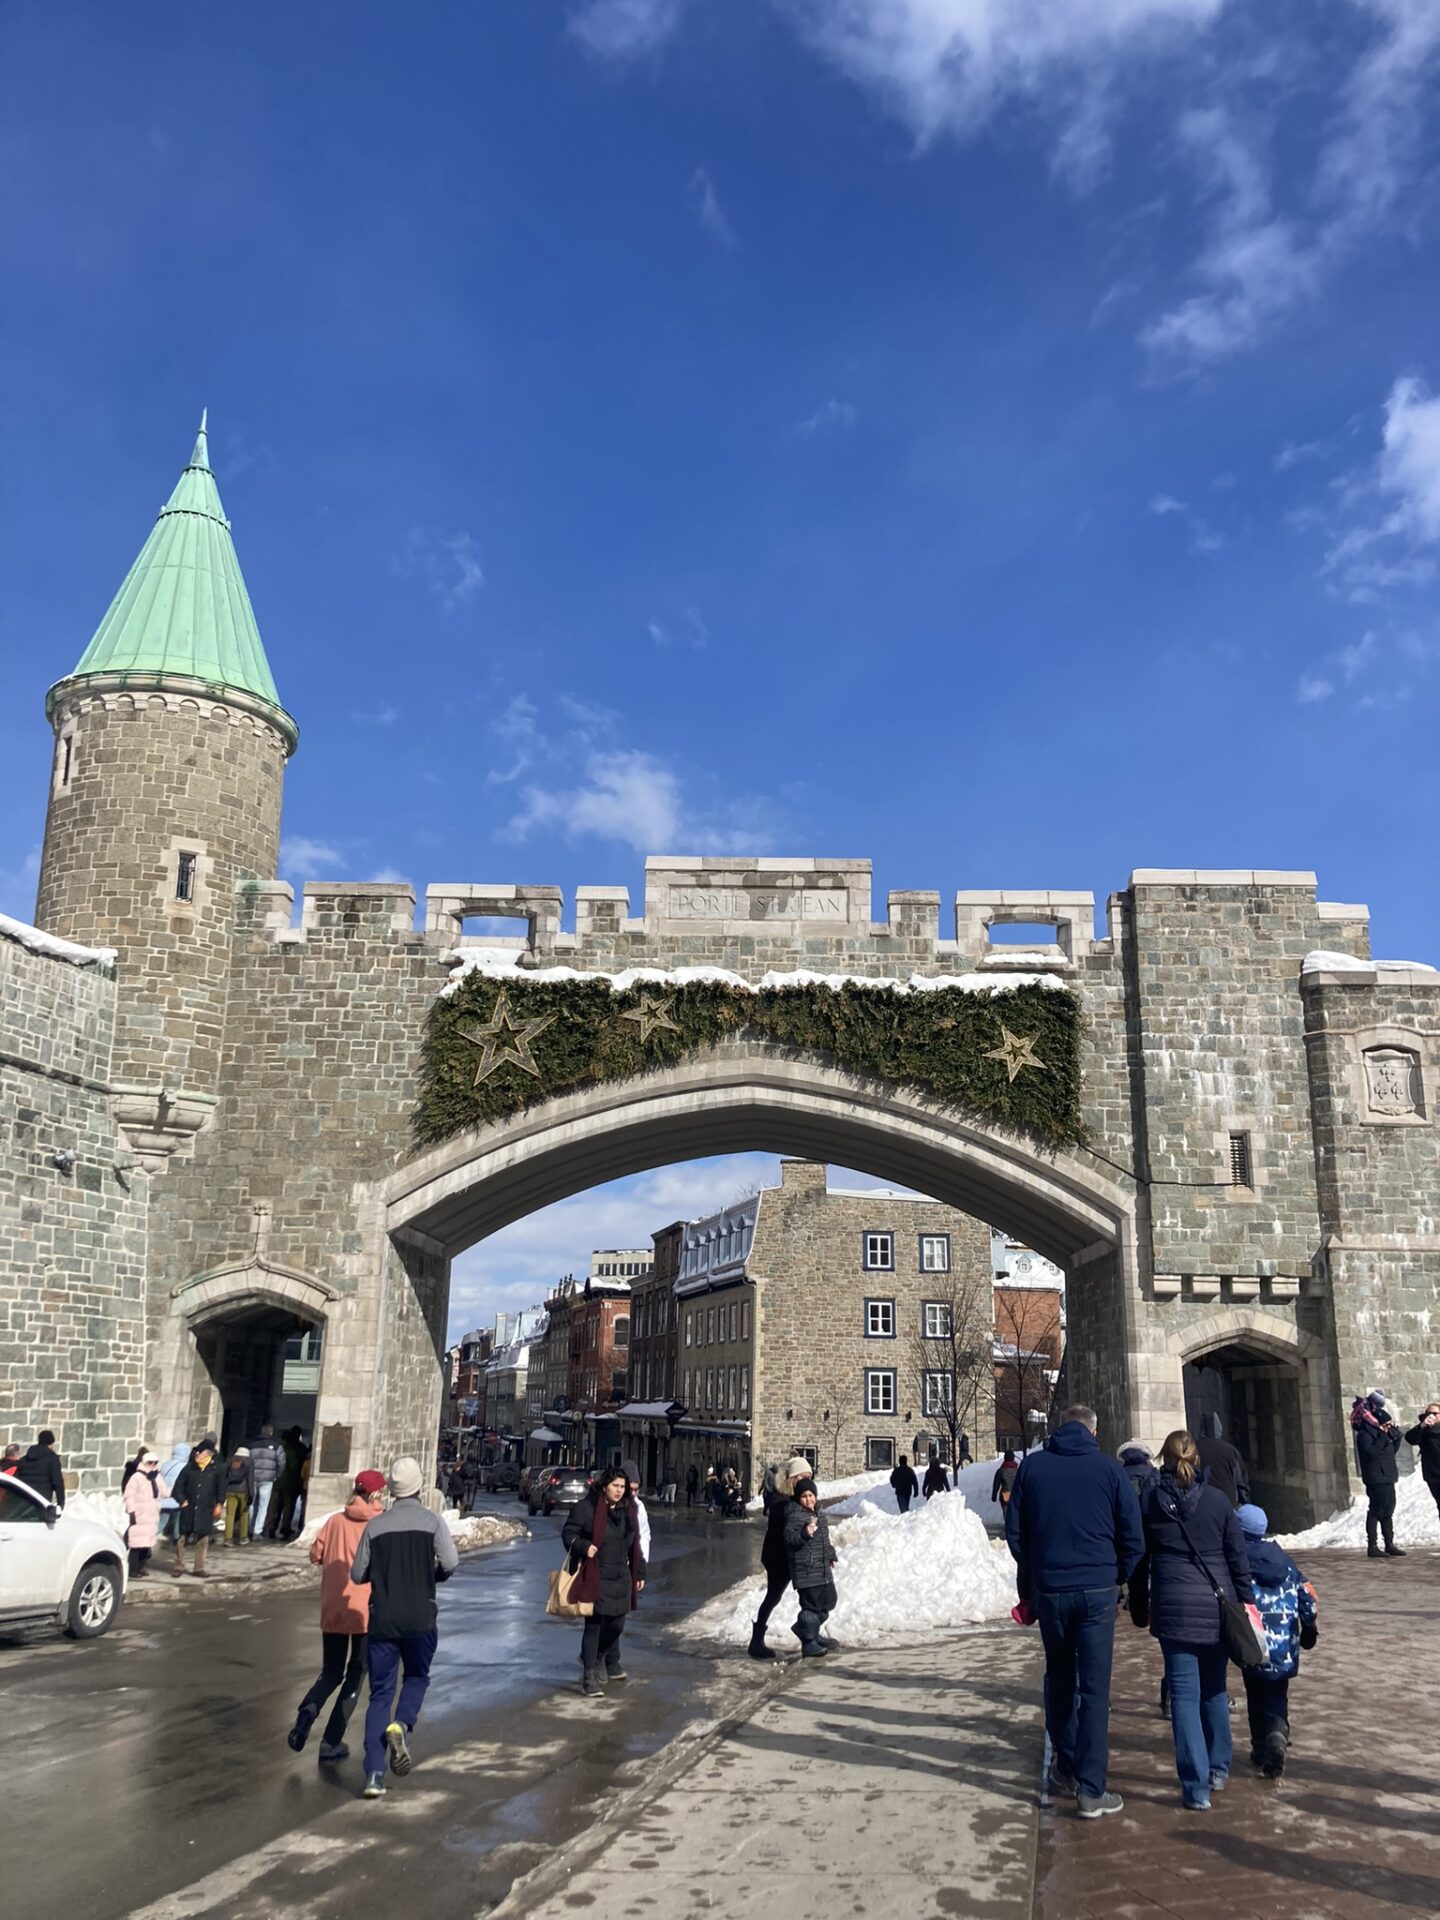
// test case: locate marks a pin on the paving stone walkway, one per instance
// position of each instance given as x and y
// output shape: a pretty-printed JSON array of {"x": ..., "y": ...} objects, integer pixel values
[
  {"x": 905, "y": 1783},
  {"x": 1352, "y": 1829}
]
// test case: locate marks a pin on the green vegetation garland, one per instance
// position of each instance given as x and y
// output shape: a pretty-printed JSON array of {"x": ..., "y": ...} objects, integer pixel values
[{"x": 576, "y": 1033}]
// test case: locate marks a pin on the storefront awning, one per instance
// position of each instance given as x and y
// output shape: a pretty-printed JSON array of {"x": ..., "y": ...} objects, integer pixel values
[{"x": 546, "y": 1435}]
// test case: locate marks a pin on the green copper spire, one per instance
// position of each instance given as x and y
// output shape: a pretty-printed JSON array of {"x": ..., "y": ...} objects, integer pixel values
[{"x": 183, "y": 611}]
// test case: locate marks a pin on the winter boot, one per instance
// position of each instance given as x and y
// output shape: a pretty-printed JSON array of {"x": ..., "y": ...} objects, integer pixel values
[
  {"x": 758, "y": 1648},
  {"x": 1392, "y": 1552},
  {"x": 813, "y": 1650},
  {"x": 1372, "y": 1549},
  {"x": 300, "y": 1732},
  {"x": 1277, "y": 1745},
  {"x": 591, "y": 1682}
]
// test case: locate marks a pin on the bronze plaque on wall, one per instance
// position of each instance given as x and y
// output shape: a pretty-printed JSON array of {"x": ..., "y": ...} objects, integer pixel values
[{"x": 335, "y": 1449}]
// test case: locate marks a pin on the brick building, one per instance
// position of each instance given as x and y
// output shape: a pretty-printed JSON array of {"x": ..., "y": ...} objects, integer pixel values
[
  {"x": 647, "y": 1417},
  {"x": 1029, "y": 1340}
]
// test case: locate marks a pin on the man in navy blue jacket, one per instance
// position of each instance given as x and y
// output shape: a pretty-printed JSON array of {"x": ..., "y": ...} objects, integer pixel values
[{"x": 1073, "y": 1525}]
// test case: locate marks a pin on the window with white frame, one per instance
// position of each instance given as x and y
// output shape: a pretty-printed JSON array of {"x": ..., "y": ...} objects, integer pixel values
[
  {"x": 879, "y": 1453},
  {"x": 710, "y": 1386},
  {"x": 744, "y": 1389},
  {"x": 879, "y": 1319},
  {"x": 880, "y": 1390},
  {"x": 689, "y": 1325},
  {"x": 686, "y": 1395},
  {"x": 939, "y": 1320},
  {"x": 879, "y": 1252},
  {"x": 935, "y": 1253},
  {"x": 744, "y": 1319},
  {"x": 720, "y": 1328},
  {"x": 710, "y": 1326},
  {"x": 734, "y": 1400},
  {"x": 939, "y": 1393},
  {"x": 734, "y": 1319}
]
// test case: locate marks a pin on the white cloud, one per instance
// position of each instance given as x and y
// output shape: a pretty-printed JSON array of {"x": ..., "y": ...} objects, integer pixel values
[
  {"x": 1409, "y": 468},
  {"x": 380, "y": 717},
  {"x": 302, "y": 858},
  {"x": 708, "y": 210},
  {"x": 1164, "y": 503},
  {"x": 626, "y": 795},
  {"x": 1313, "y": 688},
  {"x": 839, "y": 415},
  {"x": 390, "y": 876},
  {"x": 448, "y": 563},
  {"x": 517, "y": 726},
  {"x": 689, "y": 631},
  {"x": 1386, "y": 534},
  {"x": 626, "y": 29},
  {"x": 517, "y": 1266},
  {"x": 1356, "y": 658}
]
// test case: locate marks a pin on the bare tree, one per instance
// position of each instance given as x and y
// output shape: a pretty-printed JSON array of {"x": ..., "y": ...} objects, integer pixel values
[
  {"x": 1027, "y": 1352},
  {"x": 950, "y": 1356}
]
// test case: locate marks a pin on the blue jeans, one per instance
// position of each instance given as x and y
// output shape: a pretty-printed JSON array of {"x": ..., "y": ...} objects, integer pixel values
[
  {"x": 414, "y": 1654},
  {"x": 1199, "y": 1713},
  {"x": 1078, "y": 1630},
  {"x": 263, "y": 1489}
]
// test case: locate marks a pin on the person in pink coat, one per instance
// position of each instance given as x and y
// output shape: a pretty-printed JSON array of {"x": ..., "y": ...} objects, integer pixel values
[
  {"x": 344, "y": 1619},
  {"x": 144, "y": 1491}
]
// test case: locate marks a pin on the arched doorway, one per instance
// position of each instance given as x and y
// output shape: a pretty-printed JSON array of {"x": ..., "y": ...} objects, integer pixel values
[
  {"x": 746, "y": 1096},
  {"x": 1269, "y": 1389}
]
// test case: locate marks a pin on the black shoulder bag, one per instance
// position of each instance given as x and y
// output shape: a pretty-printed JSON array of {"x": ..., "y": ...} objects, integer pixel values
[{"x": 1237, "y": 1630}]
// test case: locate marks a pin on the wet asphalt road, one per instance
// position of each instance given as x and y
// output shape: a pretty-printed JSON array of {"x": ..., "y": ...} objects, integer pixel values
[{"x": 148, "y": 1774}]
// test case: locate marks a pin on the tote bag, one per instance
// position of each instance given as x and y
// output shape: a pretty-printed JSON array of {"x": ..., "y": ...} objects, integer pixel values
[{"x": 559, "y": 1603}]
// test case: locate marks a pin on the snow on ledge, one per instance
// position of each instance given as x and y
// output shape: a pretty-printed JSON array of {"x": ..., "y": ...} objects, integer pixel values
[
  {"x": 34, "y": 941},
  {"x": 497, "y": 963},
  {"x": 1323, "y": 961}
]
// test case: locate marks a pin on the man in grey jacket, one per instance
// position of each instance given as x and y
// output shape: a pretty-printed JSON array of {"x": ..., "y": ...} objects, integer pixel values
[
  {"x": 402, "y": 1553},
  {"x": 807, "y": 1543},
  {"x": 267, "y": 1457}
]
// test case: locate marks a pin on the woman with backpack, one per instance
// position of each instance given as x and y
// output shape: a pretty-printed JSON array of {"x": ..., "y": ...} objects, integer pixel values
[{"x": 1194, "y": 1555}]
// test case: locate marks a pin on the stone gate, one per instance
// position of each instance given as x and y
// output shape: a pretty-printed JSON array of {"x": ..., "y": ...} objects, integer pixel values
[{"x": 210, "y": 1109}]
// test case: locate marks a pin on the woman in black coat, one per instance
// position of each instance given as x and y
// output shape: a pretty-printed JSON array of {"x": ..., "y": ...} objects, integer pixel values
[
  {"x": 773, "y": 1556},
  {"x": 1424, "y": 1436},
  {"x": 1193, "y": 1546},
  {"x": 200, "y": 1493},
  {"x": 602, "y": 1535}
]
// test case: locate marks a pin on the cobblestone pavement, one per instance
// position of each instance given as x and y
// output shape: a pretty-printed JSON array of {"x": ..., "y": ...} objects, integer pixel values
[{"x": 1354, "y": 1826}]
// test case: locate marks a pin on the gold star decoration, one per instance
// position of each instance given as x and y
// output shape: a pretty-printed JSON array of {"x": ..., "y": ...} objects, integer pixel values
[
  {"x": 1014, "y": 1053},
  {"x": 505, "y": 1041},
  {"x": 651, "y": 1014}
]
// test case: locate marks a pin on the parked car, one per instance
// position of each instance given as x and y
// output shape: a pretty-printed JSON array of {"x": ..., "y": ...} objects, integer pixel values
[
  {"x": 540, "y": 1478},
  {"x": 502, "y": 1477},
  {"x": 527, "y": 1479},
  {"x": 56, "y": 1565},
  {"x": 565, "y": 1486}
]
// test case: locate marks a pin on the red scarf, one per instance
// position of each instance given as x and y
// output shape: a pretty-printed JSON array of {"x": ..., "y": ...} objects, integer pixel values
[{"x": 587, "y": 1584}]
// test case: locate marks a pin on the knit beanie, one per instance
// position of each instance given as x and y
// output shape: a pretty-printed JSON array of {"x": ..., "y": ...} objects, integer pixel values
[
  {"x": 806, "y": 1485},
  {"x": 405, "y": 1477},
  {"x": 1254, "y": 1522}
]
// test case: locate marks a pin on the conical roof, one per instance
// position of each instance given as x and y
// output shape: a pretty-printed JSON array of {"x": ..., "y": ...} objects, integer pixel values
[{"x": 183, "y": 610}]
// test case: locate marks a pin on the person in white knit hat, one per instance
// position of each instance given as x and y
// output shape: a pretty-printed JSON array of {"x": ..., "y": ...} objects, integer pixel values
[{"x": 773, "y": 1556}]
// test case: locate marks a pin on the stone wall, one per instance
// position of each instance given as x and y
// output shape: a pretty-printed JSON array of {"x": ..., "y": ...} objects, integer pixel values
[
  {"x": 811, "y": 1350},
  {"x": 73, "y": 1235}
]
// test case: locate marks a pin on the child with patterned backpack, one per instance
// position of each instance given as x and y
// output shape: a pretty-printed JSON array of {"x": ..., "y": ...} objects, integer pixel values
[{"x": 1288, "y": 1607}]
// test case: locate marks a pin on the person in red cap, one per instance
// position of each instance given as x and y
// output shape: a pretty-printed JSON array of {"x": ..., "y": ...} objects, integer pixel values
[{"x": 344, "y": 1618}]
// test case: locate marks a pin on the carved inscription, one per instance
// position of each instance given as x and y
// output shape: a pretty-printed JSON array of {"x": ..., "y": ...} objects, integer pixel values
[{"x": 759, "y": 903}]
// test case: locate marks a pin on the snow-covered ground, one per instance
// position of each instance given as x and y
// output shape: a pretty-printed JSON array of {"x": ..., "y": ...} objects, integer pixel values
[
  {"x": 872, "y": 1492},
  {"x": 108, "y": 1509},
  {"x": 899, "y": 1574},
  {"x": 1417, "y": 1523}
]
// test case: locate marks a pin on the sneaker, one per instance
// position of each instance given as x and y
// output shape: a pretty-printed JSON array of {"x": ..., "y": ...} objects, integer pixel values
[
  {"x": 591, "y": 1685},
  {"x": 334, "y": 1750},
  {"x": 1193, "y": 1803},
  {"x": 1093, "y": 1806},
  {"x": 1062, "y": 1785},
  {"x": 812, "y": 1650},
  {"x": 616, "y": 1673},
  {"x": 300, "y": 1732},
  {"x": 400, "y": 1761},
  {"x": 1217, "y": 1781},
  {"x": 374, "y": 1786}
]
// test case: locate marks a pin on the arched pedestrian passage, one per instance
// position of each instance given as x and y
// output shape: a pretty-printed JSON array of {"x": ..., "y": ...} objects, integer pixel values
[{"x": 744, "y": 1097}]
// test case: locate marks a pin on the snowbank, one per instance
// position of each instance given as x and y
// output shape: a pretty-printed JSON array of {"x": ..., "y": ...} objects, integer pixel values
[
  {"x": 471, "y": 1531},
  {"x": 35, "y": 941},
  {"x": 1320, "y": 960},
  {"x": 107, "y": 1509},
  {"x": 505, "y": 963},
  {"x": 1417, "y": 1523},
  {"x": 899, "y": 1575},
  {"x": 872, "y": 1492}
]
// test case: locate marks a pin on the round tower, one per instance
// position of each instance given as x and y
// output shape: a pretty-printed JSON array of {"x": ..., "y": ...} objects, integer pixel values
[{"x": 170, "y": 751}]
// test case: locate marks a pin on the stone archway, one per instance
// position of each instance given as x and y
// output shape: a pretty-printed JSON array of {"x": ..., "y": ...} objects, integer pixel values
[
  {"x": 739, "y": 1096},
  {"x": 1275, "y": 1386}
]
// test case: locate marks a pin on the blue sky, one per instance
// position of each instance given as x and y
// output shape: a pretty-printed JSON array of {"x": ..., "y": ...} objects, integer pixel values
[{"x": 994, "y": 438}]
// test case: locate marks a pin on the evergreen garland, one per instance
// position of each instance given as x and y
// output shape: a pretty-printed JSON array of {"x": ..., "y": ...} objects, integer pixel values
[{"x": 933, "y": 1041}]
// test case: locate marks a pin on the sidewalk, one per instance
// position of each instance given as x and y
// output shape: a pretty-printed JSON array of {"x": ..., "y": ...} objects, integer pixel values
[
  {"x": 897, "y": 1785},
  {"x": 903, "y": 1785}
]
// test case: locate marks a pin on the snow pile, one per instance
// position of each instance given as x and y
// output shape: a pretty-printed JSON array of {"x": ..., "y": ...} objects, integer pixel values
[
  {"x": 105, "y": 1509},
  {"x": 1321, "y": 961},
  {"x": 505, "y": 963},
  {"x": 34, "y": 941},
  {"x": 899, "y": 1575},
  {"x": 872, "y": 1492},
  {"x": 482, "y": 1530},
  {"x": 1417, "y": 1522}
]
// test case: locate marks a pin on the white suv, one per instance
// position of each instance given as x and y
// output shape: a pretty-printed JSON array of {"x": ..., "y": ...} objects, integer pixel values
[{"x": 56, "y": 1566}]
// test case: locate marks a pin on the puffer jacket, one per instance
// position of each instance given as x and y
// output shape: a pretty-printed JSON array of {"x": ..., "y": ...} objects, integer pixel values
[
  {"x": 774, "y": 1557},
  {"x": 611, "y": 1580},
  {"x": 198, "y": 1491},
  {"x": 1426, "y": 1442},
  {"x": 1287, "y": 1606},
  {"x": 267, "y": 1461},
  {"x": 1171, "y": 1582},
  {"x": 1375, "y": 1451},
  {"x": 810, "y": 1554}
]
